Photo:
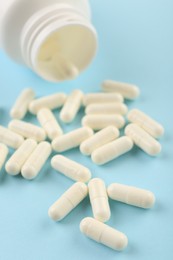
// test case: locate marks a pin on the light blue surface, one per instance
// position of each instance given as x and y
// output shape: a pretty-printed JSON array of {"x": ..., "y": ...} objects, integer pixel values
[{"x": 136, "y": 45}]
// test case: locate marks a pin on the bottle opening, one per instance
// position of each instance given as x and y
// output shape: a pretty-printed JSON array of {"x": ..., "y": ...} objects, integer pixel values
[{"x": 65, "y": 52}]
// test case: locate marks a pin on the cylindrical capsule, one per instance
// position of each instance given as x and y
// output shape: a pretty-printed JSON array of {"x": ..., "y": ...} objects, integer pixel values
[
  {"x": 112, "y": 150},
  {"x": 101, "y": 138},
  {"x": 36, "y": 160},
  {"x": 99, "y": 200},
  {"x": 71, "y": 169},
  {"x": 147, "y": 123},
  {"x": 17, "y": 160},
  {"x": 68, "y": 201},
  {"x": 103, "y": 234},
  {"x": 27, "y": 130},
  {"x": 10, "y": 138},
  {"x": 98, "y": 122},
  {"x": 49, "y": 123},
  {"x": 127, "y": 90},
  {"x": 143, "y": 140},
  {"x": 21, "y": 105},
  {"x": 72, "y": 139},
  {"x": 3, "y": 154},
  {"x": 52, "y": 102},
  {"x": 131, "y": 195},
  {"x": 65, "y": 69},
  {"x": 106, "y": 108},
  {"x": 71, "y": 106},
  {"x": 102, "y": 98}
]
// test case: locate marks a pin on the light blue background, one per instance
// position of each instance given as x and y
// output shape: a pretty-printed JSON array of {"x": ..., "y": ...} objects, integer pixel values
[{"x": 136, "y": 45}]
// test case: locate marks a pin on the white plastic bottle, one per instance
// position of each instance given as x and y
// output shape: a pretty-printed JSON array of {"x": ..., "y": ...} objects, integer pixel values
[{"x": 55, "y": 38}]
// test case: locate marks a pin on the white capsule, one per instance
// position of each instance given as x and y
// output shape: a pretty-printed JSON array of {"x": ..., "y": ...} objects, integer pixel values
[
  {"x": 147, "y": 123},
  {"x": 52, "y": 102},
  {"x": 71, "y": 106},
  {"x": 106, "y": 108},
  {"x": 112, "y": 150},
  {"x": 21, "y": 105},
  {"x": 27, "y": 130},
  {"x": 72, "y": 139},
  {"x": 49, "y": 123},
  {"x": 3, "y": 154},
  {"x": 127, "y": 90},
  {"x": 102, "y": 98},
  {"x": 98, "y": 122},
  {"x": 103, "y": 234},
  {"x": 71, "y": 169},
  {"x": 131, "y": 195},
  {"x": 101, "y": 138},
  {"x": 48, "y": 49},
  {"x": 99, "y": 200},
  {"x": 142, "y": 139},
  {"x": 64, "y": 68},
  {"x": 10, "y": 138},
  {"x": 68, "y": 201},
  {"x": 19, "y": 157},
  {"x": 36, "y": 160},
  {"x": 59, "y": 71}
]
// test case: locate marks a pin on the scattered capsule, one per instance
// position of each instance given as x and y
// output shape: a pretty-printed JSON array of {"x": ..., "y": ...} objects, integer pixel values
[
  {"x": 21, "y": 105},
  {"x": 36, "y": 160},
  {"x": 10, "y": 138},
  {"x": 19, "y": 157},
  {"x": 142, "y": 139},
  {"x": 147, "y": 123},
  {"x": 27, "y": 130},
  {"x": 71, "y": 169},
  {"x": 68, "y": 201},
  {"x": 112, "y": 150},
  {"x": 106, "y": 108},
  {"x": 71, "y": 106},
  {"x": 3, "y": 154},
  {"x": 72, "y": 139},
  {"x": 131, "y": 195},
  {"x": 49, "y": 123},
  {"x": 99, "y": 200},
  {"x": 127, "y": 90},
  {"x": 98, "y": 122},
  {"x": 103, "y": 234},
  {"x": 52, "y": 102},
  {"x": 99, "y": 139},
  {"x": 94, "y": 98}
]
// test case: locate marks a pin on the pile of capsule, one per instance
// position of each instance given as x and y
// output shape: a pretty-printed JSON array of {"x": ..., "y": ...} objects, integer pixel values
[{"x": 105, "y": 115}]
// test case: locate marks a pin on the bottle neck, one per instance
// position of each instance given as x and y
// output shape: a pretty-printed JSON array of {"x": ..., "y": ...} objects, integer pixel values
[{"x": 59, "y": 31}]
